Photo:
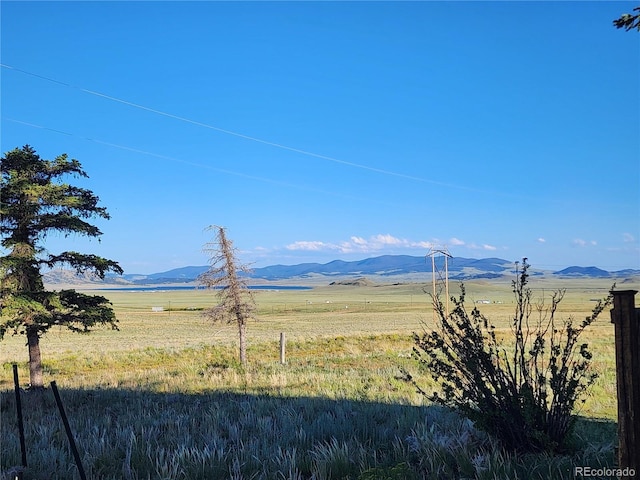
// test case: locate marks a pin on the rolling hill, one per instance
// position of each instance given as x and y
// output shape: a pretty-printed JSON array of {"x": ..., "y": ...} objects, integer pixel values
[
  {"x": 385, "y": 266},
  {"x": 593, "y": 272}
]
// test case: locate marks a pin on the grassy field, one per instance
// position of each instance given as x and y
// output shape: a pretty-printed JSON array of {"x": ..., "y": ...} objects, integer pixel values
[{"x": 165, "y": 398}]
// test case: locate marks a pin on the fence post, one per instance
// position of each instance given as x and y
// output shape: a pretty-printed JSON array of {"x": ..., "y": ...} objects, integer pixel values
[
  {"x": 16, "y": 383},
  {"x": 67, "y": 429},
  {"x": 626, "y": 320},
  {"x": 282, "y": 348}
]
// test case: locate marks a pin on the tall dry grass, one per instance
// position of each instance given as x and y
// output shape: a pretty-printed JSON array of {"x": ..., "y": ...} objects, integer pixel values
[{"x": 165, "y": 398}]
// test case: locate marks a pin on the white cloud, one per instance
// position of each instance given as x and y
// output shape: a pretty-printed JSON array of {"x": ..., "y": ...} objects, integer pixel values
[
  {"x": 541, "y": 240},
  {"x": 387, "y": 240},
  {"x": 357, "y": 244},
  {"x": 423, "y": 244},
  {"x": 628, "y": 238},
  {"x": 379, "y": 243},
  {"x": 358, "y": 240},
  {"x": 351, "y": 246},
  {"x": 309, "y": 246},
  {"x": 579, "y": 242}
]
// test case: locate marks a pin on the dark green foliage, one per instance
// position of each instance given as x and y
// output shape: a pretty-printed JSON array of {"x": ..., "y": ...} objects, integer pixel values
[
  {"x": 628, "y": 21},
  {"x": 524, "y": 391},
  {"x": 34, "y": 202},
  {"x": 77, "y": 311}
]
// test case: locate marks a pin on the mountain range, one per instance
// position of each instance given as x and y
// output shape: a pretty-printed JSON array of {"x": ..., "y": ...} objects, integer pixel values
[{"x": 386, "y": 266}]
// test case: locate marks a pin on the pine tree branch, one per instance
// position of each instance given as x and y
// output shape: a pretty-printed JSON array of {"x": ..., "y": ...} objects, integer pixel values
[{"x": 81, "y": 262}]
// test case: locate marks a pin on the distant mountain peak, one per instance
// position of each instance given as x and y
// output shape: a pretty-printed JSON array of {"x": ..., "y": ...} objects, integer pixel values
[
  {"x": 407, "y": 266},
  {"x": 576, "y": 271}
]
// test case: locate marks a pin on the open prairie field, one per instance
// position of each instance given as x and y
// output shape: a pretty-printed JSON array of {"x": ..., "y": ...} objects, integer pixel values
[
  {"x": 164, "y": 397},
  {"x": 302, "y": 315}
]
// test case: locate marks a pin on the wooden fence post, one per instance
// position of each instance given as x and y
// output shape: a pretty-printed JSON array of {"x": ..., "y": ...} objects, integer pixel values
[
  {"x": 67, "y": 428},
  {"x": 626, "y": 320},
  {"x": 282, "y": 348},
  {"x": 23, "y": 448}
]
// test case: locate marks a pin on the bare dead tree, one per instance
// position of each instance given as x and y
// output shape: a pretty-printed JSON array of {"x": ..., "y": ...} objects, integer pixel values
[{"x": 236, "y": 301}]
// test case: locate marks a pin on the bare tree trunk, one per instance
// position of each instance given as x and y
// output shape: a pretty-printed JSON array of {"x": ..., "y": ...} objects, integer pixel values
[
  {"x": 35, "y": 362},
  {"x": 235, "y": 290},
  {"x": 236, "y": 301}
]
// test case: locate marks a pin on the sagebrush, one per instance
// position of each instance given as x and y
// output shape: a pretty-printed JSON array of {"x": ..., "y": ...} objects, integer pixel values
[{"x": 524, "y": 391}]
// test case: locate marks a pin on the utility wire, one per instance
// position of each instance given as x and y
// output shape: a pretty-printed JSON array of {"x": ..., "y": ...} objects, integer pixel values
[
  {"x": 232, "y": 133},
  {"x": 272, "y": 144},
  {"x": 195, "y": 164},
  {"x": 236, "y": 134}
]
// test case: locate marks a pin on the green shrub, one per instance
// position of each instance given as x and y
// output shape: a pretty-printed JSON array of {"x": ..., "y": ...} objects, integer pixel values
[{"x": 522, "y": 392}]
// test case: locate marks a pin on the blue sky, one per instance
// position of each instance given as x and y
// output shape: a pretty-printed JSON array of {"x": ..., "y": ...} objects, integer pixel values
[{"x": 318, "y": 131}]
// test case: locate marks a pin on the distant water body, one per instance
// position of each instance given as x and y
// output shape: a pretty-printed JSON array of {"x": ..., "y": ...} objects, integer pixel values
[{"x": 150, "y": 288}]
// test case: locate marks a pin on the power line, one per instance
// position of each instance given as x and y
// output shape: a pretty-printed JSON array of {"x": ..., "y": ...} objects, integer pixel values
[
  {"x": 225, "y": 131},
  {"x": 251, "y": 138},
  {"x": 381, "y": 171},
  {"x": 609, "y": 267},
  {"x": 195, "y": 164}
]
